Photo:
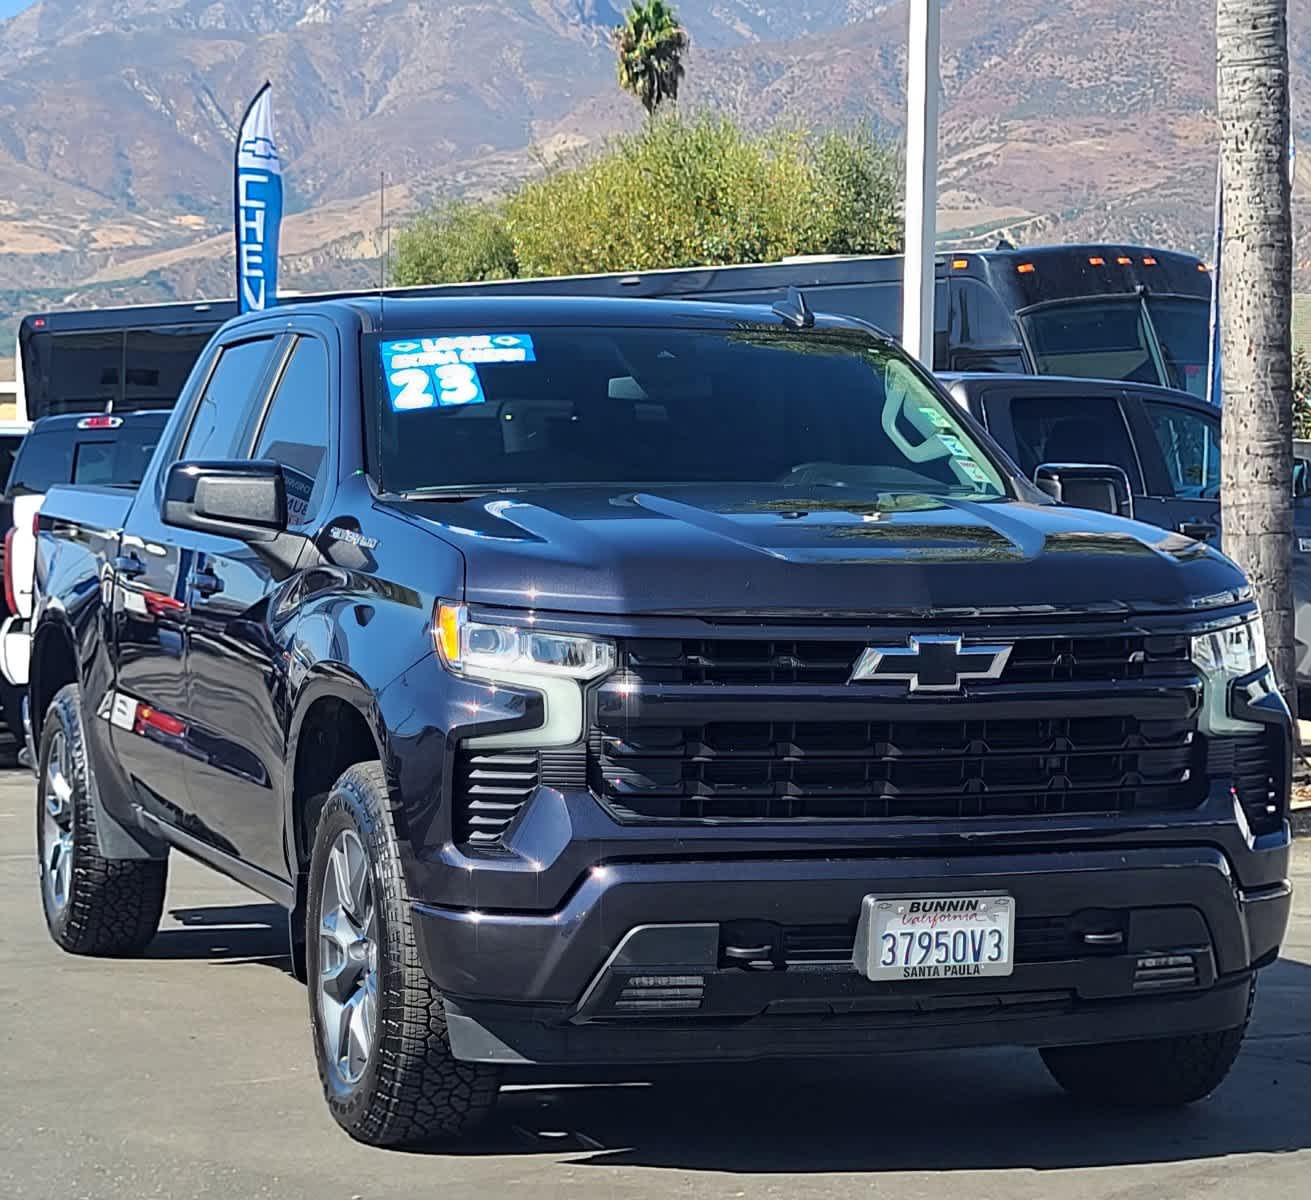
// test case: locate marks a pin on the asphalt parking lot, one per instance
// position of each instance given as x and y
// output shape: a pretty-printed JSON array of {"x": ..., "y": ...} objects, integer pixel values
[{"x": 189, "y": 1074}]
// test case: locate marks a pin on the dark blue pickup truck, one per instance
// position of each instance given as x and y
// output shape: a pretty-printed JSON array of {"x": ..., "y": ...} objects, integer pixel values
[{"x": 617, "y": 682}]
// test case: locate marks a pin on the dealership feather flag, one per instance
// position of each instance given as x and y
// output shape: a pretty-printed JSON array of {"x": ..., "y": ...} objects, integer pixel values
[{"x": 258, "y": 202}]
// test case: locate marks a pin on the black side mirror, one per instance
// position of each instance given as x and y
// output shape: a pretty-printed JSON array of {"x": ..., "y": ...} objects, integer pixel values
[
  {"x": 241, "y": 499},
  {"x": 1100, "y": 487}
]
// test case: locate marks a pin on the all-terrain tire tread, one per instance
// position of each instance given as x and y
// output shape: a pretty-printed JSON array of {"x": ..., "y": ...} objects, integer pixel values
[
  {"x": 114, "y": 904},
  {"x": 1162, "y": 1073},
  {"x": 420, "y": 1092}
]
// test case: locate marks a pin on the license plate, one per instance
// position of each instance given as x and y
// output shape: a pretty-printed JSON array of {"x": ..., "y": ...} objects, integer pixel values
[{"x": 935, "y": 937}]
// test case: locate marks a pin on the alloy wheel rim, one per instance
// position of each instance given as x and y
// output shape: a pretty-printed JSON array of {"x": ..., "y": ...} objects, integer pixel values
[
  {"x": 348, "y": 960},
  {"x": 57, "y": 826}
]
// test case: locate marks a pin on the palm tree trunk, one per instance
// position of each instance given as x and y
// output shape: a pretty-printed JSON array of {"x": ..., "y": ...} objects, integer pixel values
[{"x": 1256, "y": 285}]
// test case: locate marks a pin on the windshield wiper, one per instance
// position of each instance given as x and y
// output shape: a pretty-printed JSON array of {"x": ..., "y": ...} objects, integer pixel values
[{"x": 454, "y": 495}]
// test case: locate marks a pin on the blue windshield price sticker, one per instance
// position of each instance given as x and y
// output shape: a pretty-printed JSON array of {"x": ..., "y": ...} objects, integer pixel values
[{"x": 442, "y": 372}]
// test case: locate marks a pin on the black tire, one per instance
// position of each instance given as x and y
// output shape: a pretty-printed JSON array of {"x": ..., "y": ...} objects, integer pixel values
[
  {"x": 411, "y": 1088},
  {"x": 1161, "y": 1073},
  {"x": 110, "y": 906}
]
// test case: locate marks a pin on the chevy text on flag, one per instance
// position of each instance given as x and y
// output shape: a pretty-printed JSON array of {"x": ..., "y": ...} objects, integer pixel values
[{"x": 258, "y": 206}]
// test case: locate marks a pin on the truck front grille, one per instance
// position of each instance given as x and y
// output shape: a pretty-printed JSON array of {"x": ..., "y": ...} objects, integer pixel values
[
  {"x": 903, "y": 769},
  {"x": 1034, "y": 660}
]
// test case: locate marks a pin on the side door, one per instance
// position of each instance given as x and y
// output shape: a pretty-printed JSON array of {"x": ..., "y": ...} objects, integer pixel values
[
  {"x": 1057, "y": 426},
  {"x": 236, "y": 672},
  {"x": 1179, "y": 445},
  {"x": 151, "y": 735}
]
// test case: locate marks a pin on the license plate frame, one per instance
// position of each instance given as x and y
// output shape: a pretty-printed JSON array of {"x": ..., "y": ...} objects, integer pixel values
[{"x": 883, "y": 914}]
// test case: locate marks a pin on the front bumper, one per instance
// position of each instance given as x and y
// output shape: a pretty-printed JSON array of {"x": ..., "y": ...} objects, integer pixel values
[{"x": 642, "y": 964}]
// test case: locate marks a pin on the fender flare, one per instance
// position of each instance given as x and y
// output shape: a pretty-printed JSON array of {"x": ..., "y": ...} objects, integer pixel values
[
  {"x": 325, "y": 681},
  {"x": 48, "y": 628}
]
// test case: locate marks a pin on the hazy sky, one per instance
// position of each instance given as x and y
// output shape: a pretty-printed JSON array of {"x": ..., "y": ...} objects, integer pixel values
[{"x": 9, "y": 7}]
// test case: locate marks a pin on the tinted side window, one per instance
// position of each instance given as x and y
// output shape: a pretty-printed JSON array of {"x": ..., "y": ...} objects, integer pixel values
[
  {"x": 1072, "y": 429},
  {"x": 158, "y": 362},
  {"x": 295, "y": 431},
  {"x": 44, "y": 459},
  {"x": 83, "y": 371},
  {"x": 224, "y": 409},
  {"x": 1190, "y": 445},
  {"x": 979, "y": 318},
  {"x": 8, "y": 448}
]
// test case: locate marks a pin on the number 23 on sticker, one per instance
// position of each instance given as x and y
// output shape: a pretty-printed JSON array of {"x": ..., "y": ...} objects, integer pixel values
[{"x": 412, "y": 388}]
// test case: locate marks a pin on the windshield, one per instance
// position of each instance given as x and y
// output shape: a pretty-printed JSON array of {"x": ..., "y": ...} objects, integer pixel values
[
  {"x": 1162, "y": 341},
  {"x": 1093, "y": 339},
  {"x": 1183, "y": 331},
  {"x": 636, "y": 407}
]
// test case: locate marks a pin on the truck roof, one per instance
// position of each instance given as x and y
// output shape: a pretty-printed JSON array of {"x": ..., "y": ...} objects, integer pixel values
[{"x": 379, "y": 313}]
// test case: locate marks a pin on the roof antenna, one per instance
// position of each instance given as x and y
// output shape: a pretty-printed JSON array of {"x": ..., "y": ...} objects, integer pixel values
[
  {"x": 383, "y": 239},
  {"x": 794, "y": 310}
]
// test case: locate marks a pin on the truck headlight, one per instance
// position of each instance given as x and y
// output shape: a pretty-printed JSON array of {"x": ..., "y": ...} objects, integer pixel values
[
  {"x": 488, "y": 651},
  {"x": 553, "y": 664},
  {"x": 1233, "y": 651}
]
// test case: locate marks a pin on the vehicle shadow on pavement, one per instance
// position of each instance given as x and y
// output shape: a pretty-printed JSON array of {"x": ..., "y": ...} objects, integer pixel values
[
  {"x": 982, "y": 1110},
  {"x": 229, "y": 933}
]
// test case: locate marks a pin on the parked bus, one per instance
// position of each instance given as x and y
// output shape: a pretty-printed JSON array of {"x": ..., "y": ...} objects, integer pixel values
[{"x": 1096, "y": 311}]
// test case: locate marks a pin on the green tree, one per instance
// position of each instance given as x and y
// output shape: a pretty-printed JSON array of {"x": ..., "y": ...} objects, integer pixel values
[
  {"x": 675, "y": 194},
  {"x": 1301, "y": 393},
  {"x": 464, "y": 241},
  {"x": 651, "y": 44},
  {"x": 681, "y": 194},
  {"x": 859, "y": 192}
]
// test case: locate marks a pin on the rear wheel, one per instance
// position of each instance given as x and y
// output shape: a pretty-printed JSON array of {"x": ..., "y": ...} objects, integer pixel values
[
  {"x": 93, "y": 904},
  {"x": 380, "y": 1038}
]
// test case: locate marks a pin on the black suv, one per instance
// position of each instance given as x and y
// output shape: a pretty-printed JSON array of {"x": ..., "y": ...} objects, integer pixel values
[{"x": 633, "y": 682}]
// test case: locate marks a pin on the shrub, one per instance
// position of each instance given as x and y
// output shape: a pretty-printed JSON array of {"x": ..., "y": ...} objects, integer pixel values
[
  {"x": 462, "y": 241},
  {"x": 676, "y": 194}
]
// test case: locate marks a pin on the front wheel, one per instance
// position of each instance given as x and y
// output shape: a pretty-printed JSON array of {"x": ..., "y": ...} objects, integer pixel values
[
  {"x": 93, "y": 904},
  {"x": 380, "y": 1038},
  {"x": 1160, "y": 1073}
]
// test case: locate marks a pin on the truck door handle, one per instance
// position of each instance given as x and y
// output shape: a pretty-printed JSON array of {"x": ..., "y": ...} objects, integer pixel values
[
  {"x": 1200, "y": 530},
  {"x": 206, "y": 583},
  {"x": 129, "y": 566}
]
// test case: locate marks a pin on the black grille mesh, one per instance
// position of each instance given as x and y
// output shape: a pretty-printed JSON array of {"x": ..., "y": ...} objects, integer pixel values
[{"x": 895, "y": 769}]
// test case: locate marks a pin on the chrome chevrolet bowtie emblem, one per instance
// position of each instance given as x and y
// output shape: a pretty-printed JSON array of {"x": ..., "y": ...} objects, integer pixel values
[{"x": 931, "y": 662}]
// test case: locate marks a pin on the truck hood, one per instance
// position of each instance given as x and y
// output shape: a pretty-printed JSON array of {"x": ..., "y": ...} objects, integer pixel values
[{"x": 770, "y": 550}]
